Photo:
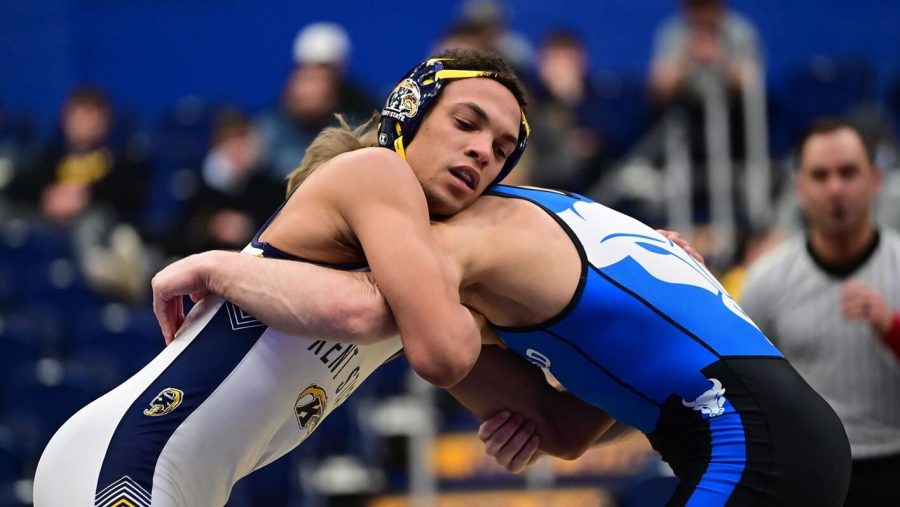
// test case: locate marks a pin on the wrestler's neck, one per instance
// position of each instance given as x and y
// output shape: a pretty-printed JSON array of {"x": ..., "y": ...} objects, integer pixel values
[{"x": 842, "y": 249}]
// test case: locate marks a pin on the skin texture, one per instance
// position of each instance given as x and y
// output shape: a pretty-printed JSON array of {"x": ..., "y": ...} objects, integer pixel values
[
  {"x": 489, "y": 116},
  {"x": 489, "y": 245},
  {"x": 346, "y": 208},
  {"x": 500, "y": 381}
]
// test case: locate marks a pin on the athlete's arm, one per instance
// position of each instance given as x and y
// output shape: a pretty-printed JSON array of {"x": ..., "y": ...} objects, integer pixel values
[
  {"x": 501, "y": 382},
  {"x": 514, "y": 443},
  {"x": 293, "y": 297},
  {"x": 381, "y": 200}
]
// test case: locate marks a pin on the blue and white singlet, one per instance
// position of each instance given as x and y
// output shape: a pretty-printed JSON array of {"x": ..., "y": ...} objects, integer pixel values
[{"x": 652, "y": 338}]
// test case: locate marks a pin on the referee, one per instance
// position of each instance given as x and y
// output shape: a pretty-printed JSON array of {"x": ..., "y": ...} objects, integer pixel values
[{"x": 830, "y": 300}]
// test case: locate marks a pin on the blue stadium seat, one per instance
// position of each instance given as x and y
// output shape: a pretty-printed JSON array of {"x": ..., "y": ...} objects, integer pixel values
[
  {"x": 45, "y": 393},
  {"x": 270, "y": 485},
  {"x": 181, "y": 141},
  {"x": 117, "y": 339},
  {"x": 31, "y": 330},
  {"x": 623, "y": 111},
  {"x": 17, "y": 341},
  {"x": 11, "y": 455}
]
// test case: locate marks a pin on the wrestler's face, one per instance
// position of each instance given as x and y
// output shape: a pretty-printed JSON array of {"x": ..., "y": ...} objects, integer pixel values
[
  {"x": 836, "y": 183},
  {"x": 463, "y": 142}
]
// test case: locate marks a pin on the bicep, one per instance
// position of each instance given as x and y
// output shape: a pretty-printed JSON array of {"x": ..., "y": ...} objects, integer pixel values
[
  {"x": 412, "y": 273},
  {"x": 393, "y": 227}
]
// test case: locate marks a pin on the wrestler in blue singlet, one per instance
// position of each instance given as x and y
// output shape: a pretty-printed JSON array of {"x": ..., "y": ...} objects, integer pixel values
[{"x": 651, "y": 338}]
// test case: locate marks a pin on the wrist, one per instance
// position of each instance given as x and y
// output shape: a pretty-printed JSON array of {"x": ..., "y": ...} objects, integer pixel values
[{"x": 209, "y": 264}]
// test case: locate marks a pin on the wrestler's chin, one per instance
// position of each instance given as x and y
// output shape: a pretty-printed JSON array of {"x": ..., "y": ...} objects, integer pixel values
[{"x": 447, "y": 200}]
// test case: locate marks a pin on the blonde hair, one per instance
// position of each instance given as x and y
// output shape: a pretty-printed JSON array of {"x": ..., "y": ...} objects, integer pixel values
[{"x": 331, "y": 142}]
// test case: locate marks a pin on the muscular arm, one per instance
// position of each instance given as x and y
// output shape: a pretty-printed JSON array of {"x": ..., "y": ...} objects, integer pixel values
[
  {"x": 502, "y": 381},
  {"x": 294, "y": 297},
  {"x": 381, "y": 201},
  {"x": 392, "y": 224}
]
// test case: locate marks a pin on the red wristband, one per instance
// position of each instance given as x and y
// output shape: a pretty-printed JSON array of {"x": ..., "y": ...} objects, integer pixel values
[{"x": 892, "y": 337}]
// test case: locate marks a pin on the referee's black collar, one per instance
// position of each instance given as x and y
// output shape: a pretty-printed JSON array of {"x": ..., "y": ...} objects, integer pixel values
[{"x": 846, "y": 269}]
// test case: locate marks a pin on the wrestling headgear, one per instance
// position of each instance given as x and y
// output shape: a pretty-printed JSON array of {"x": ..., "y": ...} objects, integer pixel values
[{"x": 416, "y": 93}]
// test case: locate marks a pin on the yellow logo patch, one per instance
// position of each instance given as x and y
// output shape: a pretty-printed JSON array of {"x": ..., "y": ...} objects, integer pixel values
[
  {"x": 165, "y": 402},
  {"x": 310, "y": 407},
  {"x": 404, "y": 101}
]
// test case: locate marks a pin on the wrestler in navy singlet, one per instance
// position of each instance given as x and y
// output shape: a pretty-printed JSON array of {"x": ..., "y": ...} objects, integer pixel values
[
  {"x": 228, "y": 396},
  {"x": 651, "y": 338}
]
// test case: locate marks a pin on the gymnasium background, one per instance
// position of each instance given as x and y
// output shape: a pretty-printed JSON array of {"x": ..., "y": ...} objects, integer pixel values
[{"x": 168, "y": 67}]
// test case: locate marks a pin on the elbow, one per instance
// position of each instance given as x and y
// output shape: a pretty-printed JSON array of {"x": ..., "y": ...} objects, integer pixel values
[
  {"x": 571, "y": 454},
  {"x": 563, "y": 446},
  {"x": 444, "y": 369},
  {"x": 361, "y": 321},
  {"x": 443, "y": 376}
]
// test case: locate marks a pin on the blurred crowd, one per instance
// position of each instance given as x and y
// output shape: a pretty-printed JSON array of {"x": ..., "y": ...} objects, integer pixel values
[{"x": 90, "y": 214}]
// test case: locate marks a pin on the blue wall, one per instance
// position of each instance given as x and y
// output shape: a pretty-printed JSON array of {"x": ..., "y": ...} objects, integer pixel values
[{"x": 149, "y": 53}]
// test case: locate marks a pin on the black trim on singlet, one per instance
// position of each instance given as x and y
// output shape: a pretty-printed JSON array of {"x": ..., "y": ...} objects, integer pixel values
[
  {"x": 273, "y": 252},
  {"x": 600, "y": 367},
  {"x": 843, "y": 271},
  {"x": 582, "y": 281},
  {"x": 657, "y": 311},
  {"x": 797, "y": 453}
]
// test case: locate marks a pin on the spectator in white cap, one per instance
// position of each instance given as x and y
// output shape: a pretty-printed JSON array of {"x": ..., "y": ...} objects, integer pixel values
[
  {"x": 316, "y": 88},
  {"x": 322, "y": 43}
]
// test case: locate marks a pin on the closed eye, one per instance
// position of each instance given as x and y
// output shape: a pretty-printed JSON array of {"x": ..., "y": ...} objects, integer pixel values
[{"x": 465, "y": 125}]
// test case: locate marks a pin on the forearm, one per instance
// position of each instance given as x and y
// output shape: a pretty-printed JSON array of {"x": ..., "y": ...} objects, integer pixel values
[
  {"x": 301, "y": 298},
  {"x": 501, "y": 381},
  {"x": 616, "y": 433}
]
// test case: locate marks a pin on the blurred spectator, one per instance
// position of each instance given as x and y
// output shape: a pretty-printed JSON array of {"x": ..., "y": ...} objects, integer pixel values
[
  {"x": 706, "y": 41},
  {"x": 84, "y": 170},
  {"x": 88, "y": 189},
  {"x": 462, "y": 35},
  {"x": 235, "y": 195},
  {"x": 567, "y": 149},
  {"x": 484, "y": 24},
  {"x": 316, "y": 89},
  {"x": 704, "y": 49},
  {"x": 831, "y": 301}
]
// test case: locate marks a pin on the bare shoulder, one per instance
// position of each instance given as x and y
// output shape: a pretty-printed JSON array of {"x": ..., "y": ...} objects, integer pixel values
[
  {"x": 371, "y": 167},
  {"x": 511, "y": 228},
  {"x": 515, "y": 217}
]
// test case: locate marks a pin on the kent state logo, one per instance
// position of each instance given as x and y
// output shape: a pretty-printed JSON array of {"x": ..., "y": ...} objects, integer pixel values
[
  {"x": 310, "y": 407},
  {"x": 165, "y": 402},
  {"x": 404, "y": 101}
]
